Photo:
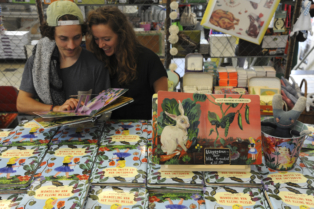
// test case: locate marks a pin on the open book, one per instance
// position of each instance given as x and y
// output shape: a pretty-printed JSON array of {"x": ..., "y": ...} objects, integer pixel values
[{"x": 107, "y": 101}]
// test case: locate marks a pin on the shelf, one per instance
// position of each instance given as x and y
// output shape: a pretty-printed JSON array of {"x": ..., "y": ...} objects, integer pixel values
[
  {"x": 207, "y": 56},
  {"x": 19, "y": 14}
]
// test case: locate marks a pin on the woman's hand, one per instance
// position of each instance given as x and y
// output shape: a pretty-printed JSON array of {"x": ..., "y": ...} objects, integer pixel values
[{"x": 70, "y": 104}]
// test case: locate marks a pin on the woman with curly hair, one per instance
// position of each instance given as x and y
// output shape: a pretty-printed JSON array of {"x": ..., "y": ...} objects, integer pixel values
[
  {"x": 131, "y": 65},
  {"x": 59, "y": 66}
]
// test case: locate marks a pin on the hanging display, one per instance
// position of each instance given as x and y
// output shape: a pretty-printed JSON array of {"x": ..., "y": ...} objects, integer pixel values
[{"x": 246, "y": 19}]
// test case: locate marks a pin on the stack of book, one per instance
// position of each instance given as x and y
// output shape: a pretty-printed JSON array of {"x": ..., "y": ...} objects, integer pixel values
[
  {"x": 115, "y": 197},
  {"x": 228, "y": 76},
  {"x": 260, "y": 71},
  {"x": 232, "y": 76},
  {"x": 29, "y": 134},
  {"x": 77, "y": 135},
  {"x": 122, "y": 155},
  {"x": 242, "y": 77},
  {"x": 270, "y": 71}
]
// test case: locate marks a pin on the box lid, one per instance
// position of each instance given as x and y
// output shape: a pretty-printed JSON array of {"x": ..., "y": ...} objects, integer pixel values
[{"x": 194, "y": 62}]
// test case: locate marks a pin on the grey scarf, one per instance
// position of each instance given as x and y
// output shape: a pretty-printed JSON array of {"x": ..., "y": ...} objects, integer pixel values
[{"x": 47, "y": 81}]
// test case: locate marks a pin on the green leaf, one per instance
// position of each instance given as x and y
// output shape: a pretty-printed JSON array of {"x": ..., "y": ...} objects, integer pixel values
[
  {"x": 211, "y": 131},
  {"x": 73, "y": 198},
  {"x": 99, "y": 191},
  {"x": 213, "y": 118},
  {"x": 199, "y": 97},
  {"x": 31, "y": 203},
  {"x": 94, "y": 197},
  {"x": 229, "y": 117},
  {"x": 83, "y": 166},
  {"x": 97, "y": 207},
  {"x": 274, "y": 196},
  {"x": 26, "y": 167},
  {"x": 53, "y": 158},
  {"x": 31, "y": 193},
  {"x": 212, "y": 199},
  {"x": 222, "y": 141}
]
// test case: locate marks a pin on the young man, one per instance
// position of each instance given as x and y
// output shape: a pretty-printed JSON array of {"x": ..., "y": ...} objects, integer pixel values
[{"x": 59, "y": 66}]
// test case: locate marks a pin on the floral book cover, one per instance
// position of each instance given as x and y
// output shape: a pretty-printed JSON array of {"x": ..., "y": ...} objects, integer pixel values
[
  {"x": 18, "y": 164},
  {"x": 67, "y": 162},
  {"x": 117, "y": 198},
  {"x": 245, "y": 19},
  {"x": 309, "y": 140},
  {"x": 229, "y": 178},
  {"x": 125, "y": 132},
  {"x": 176, "y": 200},
  {"x": 234, "y": 198},
  {"x": 189, "y": 123},
  {"x": 158, "y": 177},
  {"x": 120, "y": 164},
  {"x": 55, "y": 195},
  {"x": 10, "y": 201},
  {"x": 297, "y": 178},
  {"x": 287, "y": 198},
  {"x": 77, "y": 135},
  {"x": 154, "y": 120},
  {"x": 91, "y": 108},
  {"x": 29, "y": 134},
  {"x": 307, "y": 160}
]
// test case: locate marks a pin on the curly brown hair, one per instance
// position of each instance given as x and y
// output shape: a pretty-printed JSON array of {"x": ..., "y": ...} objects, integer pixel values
[
  {"x": 48, "y": 31},
  {"x": 123, "y": 62}
]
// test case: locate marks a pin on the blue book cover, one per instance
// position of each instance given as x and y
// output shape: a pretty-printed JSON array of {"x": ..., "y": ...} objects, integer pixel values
[
  {"x": 176, "y": 199},
  {"x": 230, "y": 178},
  {"x": 299, "y": 177},
  {"x": 18, "y": 164},
  {"x": 125, "y": 132},
  {"x": 234, "y": 198},
  {"x": 29, "y": 134},
  {"x": 289, "y": 198},
  {"x": 117, "y": 198},
  {"x": 309, "y": 140},
  {"x": 157, "y": 177},
  {"x": 120, "y": 164},
  {"x": 55, "y": 195},
  {"x": 10, "y": 201},
  {"x": 77, "y": 135},
  {"x": 67, "y": 162}
]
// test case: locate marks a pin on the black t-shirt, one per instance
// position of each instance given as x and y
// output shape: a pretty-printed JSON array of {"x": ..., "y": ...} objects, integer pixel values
[{"x": 149, "y": 70}]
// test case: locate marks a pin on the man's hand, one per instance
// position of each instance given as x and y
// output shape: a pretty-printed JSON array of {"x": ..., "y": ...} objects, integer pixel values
[{"x": 70, "y": 104}]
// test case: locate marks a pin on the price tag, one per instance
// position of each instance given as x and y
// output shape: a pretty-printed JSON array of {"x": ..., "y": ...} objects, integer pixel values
[{"x": 217, "y": 156}]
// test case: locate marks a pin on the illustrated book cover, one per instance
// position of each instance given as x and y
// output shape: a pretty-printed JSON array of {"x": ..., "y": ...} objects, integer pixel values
[
  {"x": 90, "y": 108},
  {"x": 5, "y": 134},
  {"x": 55, "y": 194},
  {"x": 125, "y": 132},
  {"x": 67, "y": 162},
  {"x": 121, "y": 165},
  {"x": 287, "y": 197},
  {"x": 245, "y": 19},
  {"x": 18, "y": 165},
  {"x": 77, "y": 135},
  {"x": 29, "y": 134},
  {"x": 188, "y": 124},
  {"x": 307, "y": 160},
  {"x": 297, "y": 178},
  {"x": 309, "y": 140},
  {"x": 180, "y": 199},
  {"x": 184, "y": 179},
  {"x": 114, "y": 197},
  {"x": 230, "y": 178},
  {"x": 10, "y": 201},
  {"x": 234, "y": 198},
  {"x": 107, "y": 101}
]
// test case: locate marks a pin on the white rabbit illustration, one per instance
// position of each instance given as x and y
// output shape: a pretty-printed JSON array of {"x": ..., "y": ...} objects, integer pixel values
[{"x": 172, "y": 136}]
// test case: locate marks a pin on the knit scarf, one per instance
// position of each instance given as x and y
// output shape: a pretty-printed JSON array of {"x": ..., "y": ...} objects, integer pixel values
[{"x": 47, "y": 80}]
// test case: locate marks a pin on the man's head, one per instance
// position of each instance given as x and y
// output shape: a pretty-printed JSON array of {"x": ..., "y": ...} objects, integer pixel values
[{"x": 65, "y": 25}]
